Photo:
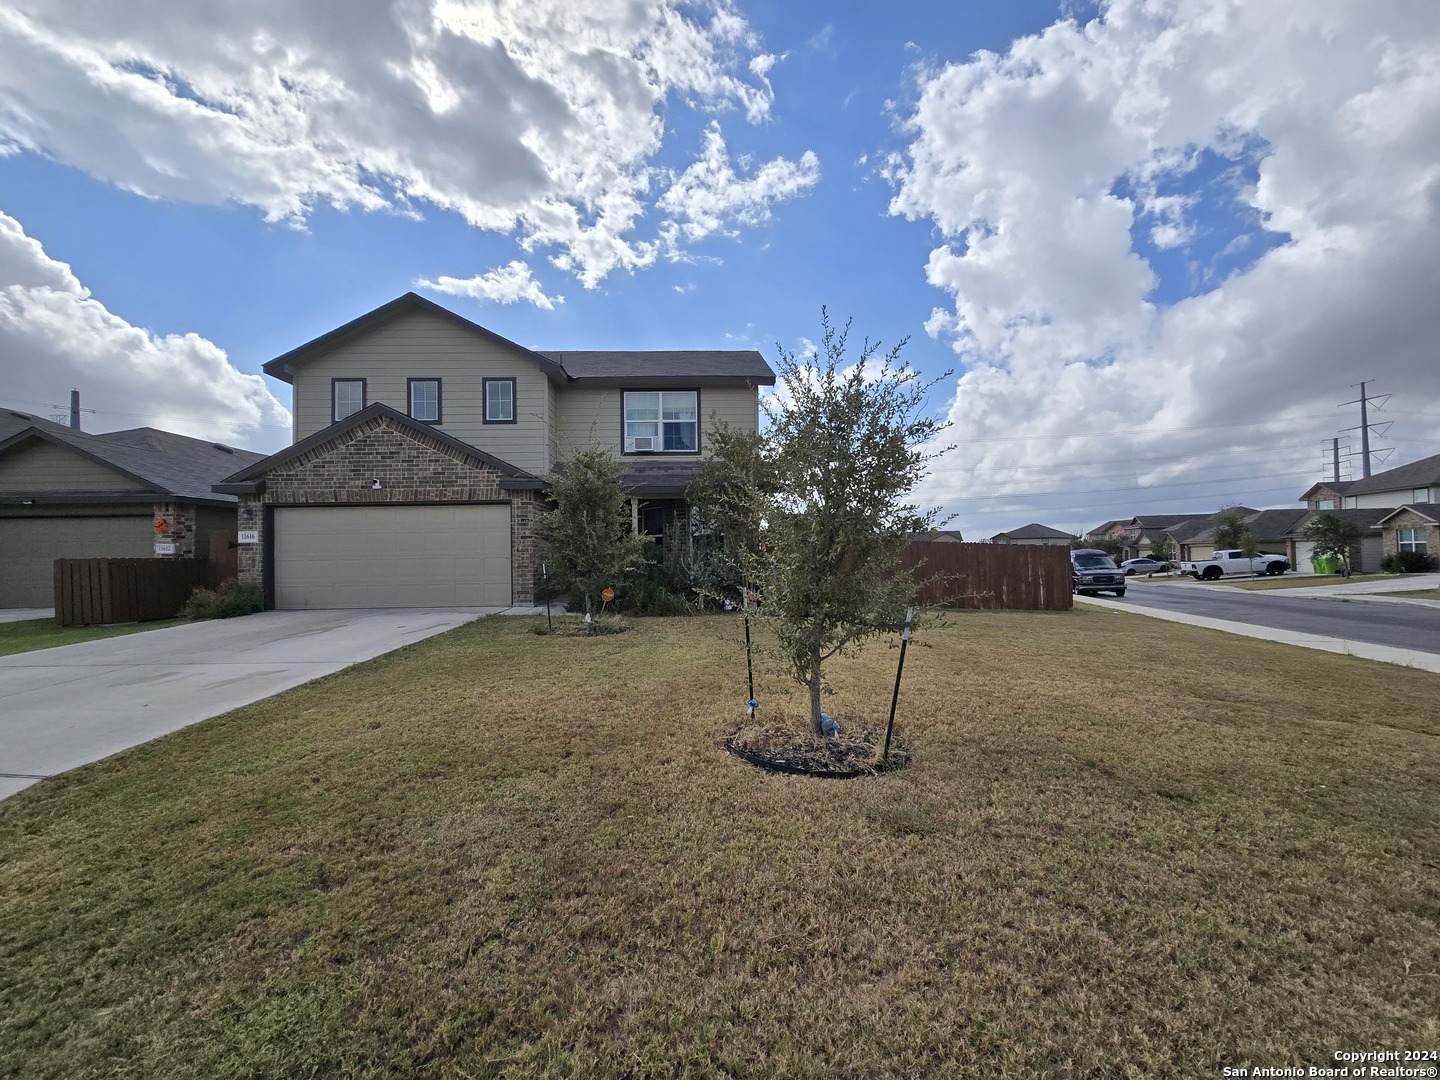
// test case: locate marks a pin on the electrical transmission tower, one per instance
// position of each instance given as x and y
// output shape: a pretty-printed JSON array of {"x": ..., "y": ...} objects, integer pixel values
[{"x": 1366, "y": 427}]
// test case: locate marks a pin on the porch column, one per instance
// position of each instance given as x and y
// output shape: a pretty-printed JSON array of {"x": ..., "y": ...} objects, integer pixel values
[{"x": 634, "y": 515}]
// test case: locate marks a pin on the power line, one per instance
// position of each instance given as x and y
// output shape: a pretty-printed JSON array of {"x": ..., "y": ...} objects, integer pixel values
[
  {"x": 1142, "y": 461},
  {"x": 1124, "y": 490},
  {"x": 1143, "y": 431}
]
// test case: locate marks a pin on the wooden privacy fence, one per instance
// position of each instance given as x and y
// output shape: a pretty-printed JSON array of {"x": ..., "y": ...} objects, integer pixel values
[
  {"x": 991, "y": 577},
  {"x": 93, "y": 591}
]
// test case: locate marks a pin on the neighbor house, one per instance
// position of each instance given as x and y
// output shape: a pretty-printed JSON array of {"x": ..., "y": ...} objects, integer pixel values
[
  {"x": 1035, "y": 535},
  {"x": 421, "y": 444},
  {"x": 142, "y": 493},
  {"x": 1407, "y": 495}
]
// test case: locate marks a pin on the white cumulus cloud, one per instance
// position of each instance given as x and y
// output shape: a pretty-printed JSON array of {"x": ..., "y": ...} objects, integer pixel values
[
  {"x": 1041, "y": 169},
  {"x": 537, "y": 118},
  {"x": 54, "y": 336},
  {"x": 508, "y": 284}
]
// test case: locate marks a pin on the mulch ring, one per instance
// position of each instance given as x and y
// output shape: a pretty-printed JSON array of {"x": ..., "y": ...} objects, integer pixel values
[{"x": 785, "y": 750}]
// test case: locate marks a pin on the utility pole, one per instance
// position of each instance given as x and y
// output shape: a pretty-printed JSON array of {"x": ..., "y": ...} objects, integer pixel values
[
  {"x": 1364, "y": 402},
  {"x": 1335, "y": 459}
]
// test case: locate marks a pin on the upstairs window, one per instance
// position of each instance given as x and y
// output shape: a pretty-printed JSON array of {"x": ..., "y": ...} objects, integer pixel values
[
  {"x": 499, "y": 401},
  {"x": 425, "y": 400},
  {"x": 1325, "y": 504},
  {"x": 1351, "y": 502},
  {"x": 662, "y": 421},
  {"x": 1420, "y": 495},
  {"x": 347, "y": 396}
]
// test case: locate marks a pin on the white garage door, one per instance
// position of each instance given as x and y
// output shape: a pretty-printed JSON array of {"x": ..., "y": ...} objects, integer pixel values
[
  {"x": 392, "y": 556},
  {"x": 1304, "y": 549},
  {"x": 30, "y": 546}
]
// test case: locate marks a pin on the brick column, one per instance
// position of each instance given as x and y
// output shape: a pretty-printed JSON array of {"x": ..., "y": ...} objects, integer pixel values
[{"x": 180, "y": 529}]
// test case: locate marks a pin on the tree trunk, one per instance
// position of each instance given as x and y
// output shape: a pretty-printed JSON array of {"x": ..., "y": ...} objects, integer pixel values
[{"x": 814, "y": 684}]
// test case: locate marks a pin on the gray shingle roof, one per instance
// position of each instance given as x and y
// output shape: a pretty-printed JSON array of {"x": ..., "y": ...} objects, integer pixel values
[
  {"x": 1035, "y": 531},
  {"x": 667, "y": 367},
  {"x": 1366, "y": 518},
  {"x": 176, "y": 465},
  {"x": 1422, "y": 473}
]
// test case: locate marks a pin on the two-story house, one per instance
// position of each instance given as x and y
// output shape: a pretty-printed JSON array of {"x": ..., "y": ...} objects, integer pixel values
[
  {"x": 1399, "y": 509},
  {"x": 422, "y": 441}
]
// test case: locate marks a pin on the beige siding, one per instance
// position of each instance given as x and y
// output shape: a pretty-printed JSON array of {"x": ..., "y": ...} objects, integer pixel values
[
  {"x": 43, "y": 466},
  {"x": 425, "y": 346},
  {"x": 1396, "y": 497},
  {"x": 593, "y": 415}
]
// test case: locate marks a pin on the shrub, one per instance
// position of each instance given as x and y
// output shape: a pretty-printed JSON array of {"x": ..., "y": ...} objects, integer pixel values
[
  {"x": 652, "y": 589},
  {"x": 230, "y": 599},
  {"x": 1407, "y": 562}
]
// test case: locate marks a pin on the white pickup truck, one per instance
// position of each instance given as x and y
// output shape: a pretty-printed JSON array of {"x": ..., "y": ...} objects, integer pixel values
[{"x": 1233, "y": 562}]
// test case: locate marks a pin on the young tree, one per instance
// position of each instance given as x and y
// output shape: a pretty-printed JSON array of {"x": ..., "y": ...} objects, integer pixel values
[
  {"x": 820, "y": 500},
  {"x": 587, "y": 538},
  {"x": 1333, "y": 537},
  {"x": 1159, "y": 549},
  {"x": 1230, "y": 531}
]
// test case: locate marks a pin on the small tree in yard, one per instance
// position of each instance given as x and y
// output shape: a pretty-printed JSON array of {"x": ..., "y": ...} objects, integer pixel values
[
  {"x": 820, "y": 499},
  {"x": 1333, "y": 537},
  {"x": 587, "y": 538}
]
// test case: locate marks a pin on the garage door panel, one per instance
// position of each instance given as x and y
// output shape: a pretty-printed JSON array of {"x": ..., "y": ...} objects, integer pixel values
[
  {"x": 392, "y": 556},
  {"x": 30, "y": 546}
]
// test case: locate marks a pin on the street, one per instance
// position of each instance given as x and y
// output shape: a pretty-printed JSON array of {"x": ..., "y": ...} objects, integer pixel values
[{"x": 1406, "y": 626}]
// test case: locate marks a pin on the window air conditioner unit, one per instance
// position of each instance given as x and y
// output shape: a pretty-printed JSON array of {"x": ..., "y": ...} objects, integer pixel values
[{"x": 642, "y": 444}]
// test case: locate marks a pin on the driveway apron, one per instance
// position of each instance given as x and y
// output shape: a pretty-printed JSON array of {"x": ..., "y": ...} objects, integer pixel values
[{"x": 65, "y": 707}]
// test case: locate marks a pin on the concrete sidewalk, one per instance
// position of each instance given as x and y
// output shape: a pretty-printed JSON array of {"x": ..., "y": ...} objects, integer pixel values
[
  {"x": 1364, "y": 649},
  {"x": 75, "y": 704}
]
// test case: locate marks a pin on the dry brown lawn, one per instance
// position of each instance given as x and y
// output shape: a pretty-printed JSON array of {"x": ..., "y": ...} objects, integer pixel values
[{"x": 1123, "y": 849}]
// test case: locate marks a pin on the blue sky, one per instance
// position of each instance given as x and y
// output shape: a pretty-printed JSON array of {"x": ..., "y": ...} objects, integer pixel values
[{"x": 1155, "y": 243}]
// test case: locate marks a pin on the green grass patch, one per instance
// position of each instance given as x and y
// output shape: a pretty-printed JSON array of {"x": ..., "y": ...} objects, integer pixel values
[
  {"x": 1267, "y": 583},
  {"x": 500, "y": 854},
  {"x": 31, "y": 634},
  {"x": 1418, "y": 594}
]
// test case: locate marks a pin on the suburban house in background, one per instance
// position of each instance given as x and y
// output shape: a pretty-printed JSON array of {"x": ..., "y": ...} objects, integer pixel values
[
  {"x": 143, "y": 493},
  {"x": 421, "y": 444},
  {"x": 1033, "y": 534},
  {"x": 1399, "y": 506},
  {"x": 941, "y": 536}
]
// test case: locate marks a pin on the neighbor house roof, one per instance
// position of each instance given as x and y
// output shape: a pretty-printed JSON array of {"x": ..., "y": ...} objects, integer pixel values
[
  {"x": 666, "y": 368},
  {"x": 1274, "y": 524},
  {"x": 936, "y": 534},
  {"x": 160, "y": 461},
  {"x": 1429, "y": 511},
  {"x": 1422, "y": 473},
  {"x": 251, "y": 479},
  {"x": 1367, "y": 518},
  {"x": 1035, "y": 531},
  {"x": 1196, "y": 530}
]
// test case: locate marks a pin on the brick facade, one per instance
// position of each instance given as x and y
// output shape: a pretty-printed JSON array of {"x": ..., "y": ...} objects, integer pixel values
[
  {"x": 180, "y": 528},
  {"x": 411, "y": 468},
  {"x": 1409, "y": 519}
]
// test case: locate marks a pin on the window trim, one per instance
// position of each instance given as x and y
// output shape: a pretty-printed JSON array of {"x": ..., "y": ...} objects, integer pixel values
[
  {"x": 364, "y": 398},
  {"x": 485, "y": 400},
  {"x": 439, "y": 399},
  {"x": 661, "y": 390},
  {"x": 1420, "y": 495},
  {"x": 1324, "y": 504},
  {"x": 1419, "y": 540}
]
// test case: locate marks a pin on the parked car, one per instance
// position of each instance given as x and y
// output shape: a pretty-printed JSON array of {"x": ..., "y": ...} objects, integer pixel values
[
  {"x": 1144, "y": 566},
  {"x": 1094, "y": 571},
  {"x": 1234, "y": 561}
]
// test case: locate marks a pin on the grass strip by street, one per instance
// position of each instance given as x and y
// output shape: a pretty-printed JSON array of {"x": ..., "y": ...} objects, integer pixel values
[
  {"x": 1418, "y": 594},
  {"x": 1121, "y": 848},
  {"x": 31, "y": 634},
  {"x": 1316, "y": 582}
]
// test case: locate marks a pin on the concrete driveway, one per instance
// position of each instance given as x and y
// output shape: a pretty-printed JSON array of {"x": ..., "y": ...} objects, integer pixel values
[{"x": 61, "y": 708}]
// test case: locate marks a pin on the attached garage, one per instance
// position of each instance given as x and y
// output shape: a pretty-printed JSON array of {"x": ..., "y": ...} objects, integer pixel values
[
  {"x": 392, "y": 555},
  {"x": 30, "y": 545}
]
